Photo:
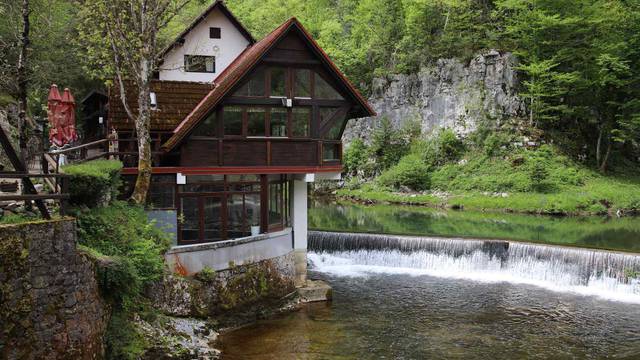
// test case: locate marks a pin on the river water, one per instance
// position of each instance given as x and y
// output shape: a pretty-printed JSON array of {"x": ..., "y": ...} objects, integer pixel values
[{"x": 399, "y": 297}]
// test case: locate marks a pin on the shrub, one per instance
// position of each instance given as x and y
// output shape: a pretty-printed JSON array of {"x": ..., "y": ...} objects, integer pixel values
[
  {"x": 355, "y": 157},
  {"x": 493, "y": 142},
  {"x": 411, "y": 172},
  {"x": 133, "y": 244},
  {"x": 387, "y": 145},
  {"x": 93, "y": 183}
]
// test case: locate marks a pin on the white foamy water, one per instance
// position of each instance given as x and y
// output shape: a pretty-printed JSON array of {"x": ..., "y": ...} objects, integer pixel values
[{"x": 587, "y": 272}]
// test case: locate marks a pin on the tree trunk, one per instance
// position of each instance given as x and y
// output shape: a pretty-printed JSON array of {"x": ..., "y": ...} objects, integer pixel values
[
  {"x": 599, "y": 147},
  {"x": 23, "y": 82},
  {"x": 143, "y": 123},
  {"x": 605, "y": 160}
]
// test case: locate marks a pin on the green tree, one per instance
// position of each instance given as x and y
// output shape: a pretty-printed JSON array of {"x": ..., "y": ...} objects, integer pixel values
[{"x": 122, "y": 42}]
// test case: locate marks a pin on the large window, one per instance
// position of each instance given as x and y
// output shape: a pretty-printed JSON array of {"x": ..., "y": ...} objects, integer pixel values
[
  {"x": 218, "y": 207},
  {"x": 200, "y": 63},
  {"x": 232, "y": 118}
]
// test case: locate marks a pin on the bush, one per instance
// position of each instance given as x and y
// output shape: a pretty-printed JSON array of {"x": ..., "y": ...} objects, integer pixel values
[
  {"x": 387, "y": 145},
  {"x": 411, "y": 172},
  {"x": 93, "y": 183},
  {"x": 355, "y": 157},
  {"x": 133, "y": 244}
]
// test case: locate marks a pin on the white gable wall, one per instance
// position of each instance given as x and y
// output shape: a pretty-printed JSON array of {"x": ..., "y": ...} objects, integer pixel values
[{"x": 197, "y": 42}]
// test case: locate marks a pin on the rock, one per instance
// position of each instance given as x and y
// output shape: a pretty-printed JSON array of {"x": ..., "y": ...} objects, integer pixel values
[
  {"x": 315, "y": 290},
  {"x": 450, "y": 94}
]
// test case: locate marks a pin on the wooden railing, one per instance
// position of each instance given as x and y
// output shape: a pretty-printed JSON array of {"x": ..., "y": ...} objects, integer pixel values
[{"x": 60, "y": 191}]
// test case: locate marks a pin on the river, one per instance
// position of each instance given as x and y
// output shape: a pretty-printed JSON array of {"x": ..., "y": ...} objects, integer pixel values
[{"x": 436, "y": 295}]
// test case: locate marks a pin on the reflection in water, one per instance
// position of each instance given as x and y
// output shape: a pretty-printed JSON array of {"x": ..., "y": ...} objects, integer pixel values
[
  {"x": 595, "y": 232},
  {"x": 387, "y": 316}
]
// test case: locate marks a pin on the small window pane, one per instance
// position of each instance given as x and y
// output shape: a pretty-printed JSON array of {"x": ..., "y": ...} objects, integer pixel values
[
  {"x": 254, "y": 86},
  {"x": 243, "y": 213},
  {"x": 300, "y": 122},
  {"x": 330, "y": 152},
  {"x": 212, "y": 223},
  {"x": 190, "y": 226},
  {"x": 256, "y": 121},
  {"x": 275, "y": 204},
  {"x": 214, "y": 32},
  {"x": 209, "y": 127},
  {"x": 335, "y": 132},
  {"x": 325, "y": 91},
  {"x": 232, "y": 118},
  {"x": 302, "y": 86},
  {"x": 278, "y": 125},
  {"x": 161, "y": 192},
  {"x": 278, "y": 82}
]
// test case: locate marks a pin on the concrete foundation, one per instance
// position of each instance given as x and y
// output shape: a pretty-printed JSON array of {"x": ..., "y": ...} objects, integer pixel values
[{"x": 191, "y": 259}]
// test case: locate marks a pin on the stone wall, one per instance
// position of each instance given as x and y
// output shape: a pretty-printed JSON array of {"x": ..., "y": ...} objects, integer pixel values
[
  {"x": 450, "y": 94},
  {"x": 242, "y": 287},
  {"x": 50, "y": 307}
]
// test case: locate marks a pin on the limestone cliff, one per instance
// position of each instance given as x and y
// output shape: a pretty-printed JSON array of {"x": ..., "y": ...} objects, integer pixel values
[{"x": 450, "y": 94}]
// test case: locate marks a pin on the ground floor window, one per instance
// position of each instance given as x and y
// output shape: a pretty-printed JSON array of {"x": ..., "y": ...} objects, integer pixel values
[{"x": 218, "y": 207}]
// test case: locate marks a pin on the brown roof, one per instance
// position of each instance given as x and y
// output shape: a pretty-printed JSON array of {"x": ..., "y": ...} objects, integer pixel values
[
  {"x": 176, "y": 99},
  {"x": 216, "y": 4},
  {"x": 242, "y": 65}
]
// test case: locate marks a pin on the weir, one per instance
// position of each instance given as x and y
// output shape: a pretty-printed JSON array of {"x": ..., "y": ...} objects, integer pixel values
[{"x": 603, "y": 273}]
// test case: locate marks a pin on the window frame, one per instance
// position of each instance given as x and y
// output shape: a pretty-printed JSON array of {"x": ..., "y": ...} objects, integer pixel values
[{"x": 186, "y": 64}]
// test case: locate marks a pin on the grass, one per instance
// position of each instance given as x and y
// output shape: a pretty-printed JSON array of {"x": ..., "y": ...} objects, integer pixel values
[{"x": 536, "y": 181}]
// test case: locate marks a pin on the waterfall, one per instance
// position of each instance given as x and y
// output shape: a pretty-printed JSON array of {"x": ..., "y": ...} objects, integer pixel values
[{"x": 607, "y": 274}]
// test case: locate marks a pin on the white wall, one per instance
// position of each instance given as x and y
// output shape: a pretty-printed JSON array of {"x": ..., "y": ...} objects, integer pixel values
[
  {"x": 218, "y": 255},
  {"x": 197, "y": 42}
]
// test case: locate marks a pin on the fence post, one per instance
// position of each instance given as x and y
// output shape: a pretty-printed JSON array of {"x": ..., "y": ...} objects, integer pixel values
[{"x": 65, "y": 192}]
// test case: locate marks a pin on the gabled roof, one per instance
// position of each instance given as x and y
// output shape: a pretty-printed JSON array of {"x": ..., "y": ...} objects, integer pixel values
[
  {"x": 217, "y": 4},
  {"x": 242, "y": 65}
]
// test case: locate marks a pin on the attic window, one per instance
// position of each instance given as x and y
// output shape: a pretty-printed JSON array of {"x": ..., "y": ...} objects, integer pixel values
[
  {"x": 200, "y": 63},
  {"x": 214, "y": 33}
]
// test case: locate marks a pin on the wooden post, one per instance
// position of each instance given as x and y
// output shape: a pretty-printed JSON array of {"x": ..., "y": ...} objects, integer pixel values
[
  {"x": 19, "y": 167},
  {"x": 64, "y": 191}
]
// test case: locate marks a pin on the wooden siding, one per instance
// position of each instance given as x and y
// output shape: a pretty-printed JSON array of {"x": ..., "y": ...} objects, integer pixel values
[{"x": 176, "y": 99}]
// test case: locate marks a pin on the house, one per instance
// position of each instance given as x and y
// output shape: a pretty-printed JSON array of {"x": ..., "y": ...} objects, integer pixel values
[{"x": 239, "y": 128}]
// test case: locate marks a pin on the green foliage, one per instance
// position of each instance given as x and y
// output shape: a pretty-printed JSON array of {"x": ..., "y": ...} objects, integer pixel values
[
  {"x": 410, "y": 172},
  {"x": 122, "y": 338},
  {"x": 441, "y": 148},
  {"x": 132, "y": 244},
  {"x": 206, "y": 275},
  {"x": 93, "y": 183},
  {"x": 387, "y": 144},
  {"x": 355, "y": 157}
]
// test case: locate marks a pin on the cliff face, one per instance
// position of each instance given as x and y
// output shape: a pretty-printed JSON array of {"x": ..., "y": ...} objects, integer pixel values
[{"x": 450, "y": 94}]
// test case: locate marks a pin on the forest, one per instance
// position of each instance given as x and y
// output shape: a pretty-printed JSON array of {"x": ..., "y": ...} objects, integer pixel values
[{"x": 578, "y": 59}]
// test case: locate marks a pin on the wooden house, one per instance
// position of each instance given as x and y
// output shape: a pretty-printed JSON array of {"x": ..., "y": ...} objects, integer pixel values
[{"x": 239, "y": 128}]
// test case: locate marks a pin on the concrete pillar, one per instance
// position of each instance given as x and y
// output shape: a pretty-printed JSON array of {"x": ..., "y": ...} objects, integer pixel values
[{"x": 299, "y": 219}]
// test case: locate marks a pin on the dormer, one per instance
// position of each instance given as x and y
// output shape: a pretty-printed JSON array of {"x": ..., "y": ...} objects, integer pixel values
[{"x": 206, "y": 47}]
